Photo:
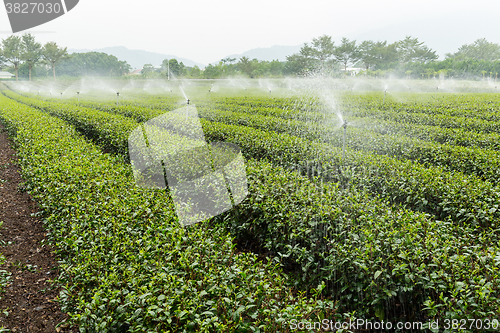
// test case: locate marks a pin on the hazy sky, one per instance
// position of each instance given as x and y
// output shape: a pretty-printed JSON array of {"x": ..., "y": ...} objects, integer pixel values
[{"x": 206, "y": 31}]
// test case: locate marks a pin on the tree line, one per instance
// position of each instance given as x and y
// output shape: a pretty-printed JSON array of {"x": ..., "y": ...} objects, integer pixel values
[
  {"x": 23, "y": 55},
  {"x": 409, "y": 58},
  {"x": 16, "y": 51}
]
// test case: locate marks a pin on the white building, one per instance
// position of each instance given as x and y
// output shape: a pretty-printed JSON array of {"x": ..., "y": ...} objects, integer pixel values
[
  {"x": 6, "y": 75},
  {"x": 352, "y": 70}
]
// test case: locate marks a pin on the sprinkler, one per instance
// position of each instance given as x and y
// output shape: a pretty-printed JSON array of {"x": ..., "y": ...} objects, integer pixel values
[
  {"x": 117, "y": 97},
  {"x": 385, "y": 92},
  {"x": 188, "y": 102},
  {"x": 344, "y": 125},
  {"x": 61, "y": 96},
  {"x": 78, "y": 95}
]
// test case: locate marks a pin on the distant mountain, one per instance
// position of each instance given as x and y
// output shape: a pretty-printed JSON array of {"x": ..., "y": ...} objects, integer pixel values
[
  {"x": 138, "y": 58},
  {"x": 278, "y": 52}
]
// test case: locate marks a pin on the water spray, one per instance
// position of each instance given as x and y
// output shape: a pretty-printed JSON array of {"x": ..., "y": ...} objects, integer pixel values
[
  {"x": 344, "y": 125},
  {"x": 117, "y": 97}
]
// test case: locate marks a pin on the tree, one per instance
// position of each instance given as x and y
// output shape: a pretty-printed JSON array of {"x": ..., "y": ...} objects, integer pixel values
[
  {"x": 429, "y": 72},
  {"x": 296, "y": 64},
  {"x": 310, "y": 57},
  {"x": 412, "y": 50},
  {"x": 176, "y": 67},
  {"x": 53, "y": 55},
  {"x": 322, "y": 49},
  {"x": 481, "y": 49},
  {"x": 377, "y": 54},
  {"x": 368, "y": 54},
  {"x": 228, "y": 60},
  {"x": 443, "y": 73},
  {"x": 173, "y": 67},
  {"x": 147, "y": 68},
  {"x": 275, "y": 68},
  {"x": 347, "y": 52},
  {"x": 32, "y": 51},
  {"x": 387, "y": 55},
  {"x": 94, "y": 64},
  {"x": 212, "y": 72},
  {"x": 2, "y": 59},
  {"x": 13, "y": 52},
  {"x": 194, "y": 72},
  {"x": 246, "y": 66}
]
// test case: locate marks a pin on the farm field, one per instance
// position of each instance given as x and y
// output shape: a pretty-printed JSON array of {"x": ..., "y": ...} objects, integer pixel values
[{"x": 366, "y": 200}]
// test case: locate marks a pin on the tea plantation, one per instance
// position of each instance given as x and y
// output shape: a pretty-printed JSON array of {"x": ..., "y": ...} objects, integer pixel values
[{"x": 404, "y": 228}]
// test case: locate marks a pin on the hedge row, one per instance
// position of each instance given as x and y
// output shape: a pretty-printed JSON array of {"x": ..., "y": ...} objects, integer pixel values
[
  {"x": 476, "y": 106},
  {"x": 421, "y": 118},
  {"x": 451, "y": 136}
]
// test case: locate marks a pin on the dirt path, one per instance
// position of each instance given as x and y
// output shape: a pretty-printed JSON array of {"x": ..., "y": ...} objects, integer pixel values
[{"x": 30, "y": 296}]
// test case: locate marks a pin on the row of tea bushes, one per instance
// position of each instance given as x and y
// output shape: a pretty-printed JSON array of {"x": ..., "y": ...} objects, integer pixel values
[
  {"x": 5, "y": 276},
  {"x": 127, "y": 265},
  {"x": 451, "y": 136},
  {"x": 421, "y": 118},
  {"x": 475, "y": 106}
]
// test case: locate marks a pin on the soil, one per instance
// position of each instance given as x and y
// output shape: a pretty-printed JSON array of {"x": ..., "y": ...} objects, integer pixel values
[{"x": 28, "y": 303}]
